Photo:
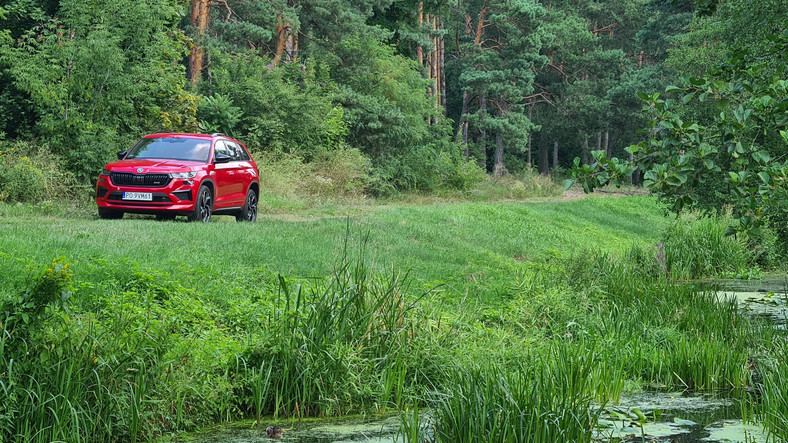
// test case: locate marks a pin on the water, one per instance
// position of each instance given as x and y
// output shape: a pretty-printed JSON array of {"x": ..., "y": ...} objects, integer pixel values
[
  {"x": 767, "y": 298},
  {"x": 677, "y": 417},
  {"x": 355, "y": 429}
]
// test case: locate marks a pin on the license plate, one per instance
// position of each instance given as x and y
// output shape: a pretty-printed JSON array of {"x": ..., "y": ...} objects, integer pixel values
[{"x": 140, "y": 196}]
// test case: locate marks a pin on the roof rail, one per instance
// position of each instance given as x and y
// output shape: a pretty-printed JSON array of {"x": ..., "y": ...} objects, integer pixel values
[{"x": 216, "y": 134}]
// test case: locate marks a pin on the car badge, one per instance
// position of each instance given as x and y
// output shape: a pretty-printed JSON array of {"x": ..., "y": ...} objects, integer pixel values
[{"x": 140, "y": 169}]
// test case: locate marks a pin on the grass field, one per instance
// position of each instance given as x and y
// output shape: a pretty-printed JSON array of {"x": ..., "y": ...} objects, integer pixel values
[
  {"x": 126, "y": 330},
  {"x": 451, "y": 243}
]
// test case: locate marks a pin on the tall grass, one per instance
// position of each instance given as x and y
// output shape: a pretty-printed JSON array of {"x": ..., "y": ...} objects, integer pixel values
[
  {"x": 774, "y": 400},
  {"x": 675, "y": 335},
  {"x": 545, "y": 402},
  {"x": 139, "y": 366},
  {"x": 330, "y": 340},
  {"x": 697, "y": 246}
]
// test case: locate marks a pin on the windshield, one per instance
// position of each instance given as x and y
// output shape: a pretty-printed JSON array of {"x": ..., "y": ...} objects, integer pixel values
[{"x": 174, "y": 148}]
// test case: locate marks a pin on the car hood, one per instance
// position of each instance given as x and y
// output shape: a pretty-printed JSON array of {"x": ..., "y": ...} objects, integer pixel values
[{"x": 153, "y": 165}]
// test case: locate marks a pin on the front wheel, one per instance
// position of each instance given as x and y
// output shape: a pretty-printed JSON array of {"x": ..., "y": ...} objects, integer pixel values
[
  {"x": 203, "y": 207},
  {"x": 249, "y": 211}
]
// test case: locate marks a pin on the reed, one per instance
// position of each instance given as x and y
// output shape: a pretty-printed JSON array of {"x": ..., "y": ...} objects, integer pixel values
[
  {"x": 696, "y": 246},
  {"x": 551, "y": 401},
  {"x": 774, "y": 388}
]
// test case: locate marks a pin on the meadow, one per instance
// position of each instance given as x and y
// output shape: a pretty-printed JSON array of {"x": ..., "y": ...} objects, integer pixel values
[{"x": 511, "y": 321}]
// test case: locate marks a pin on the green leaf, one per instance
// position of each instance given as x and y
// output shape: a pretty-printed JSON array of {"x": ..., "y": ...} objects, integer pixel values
[
  {"x": 568, "y": 183},
  {"x": 674, "y": 180},
  {"x": 765, "y": 177},
  {"x": 672, "y": 88},
  {"x": 695, "y": 81}
]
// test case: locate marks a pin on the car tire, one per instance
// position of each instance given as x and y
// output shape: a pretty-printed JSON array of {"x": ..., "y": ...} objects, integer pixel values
[
  {"x": 165, "y": 217},
  {"x": 109, "y": 214},
  {"x": 249, "y": 211},
  {"x": 203, "y": 206}
]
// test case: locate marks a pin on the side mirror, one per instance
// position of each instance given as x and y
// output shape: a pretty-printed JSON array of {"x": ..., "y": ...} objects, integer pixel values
[
  {"x": 221, "y": 158},
  {"x": 122, "y": 154}
]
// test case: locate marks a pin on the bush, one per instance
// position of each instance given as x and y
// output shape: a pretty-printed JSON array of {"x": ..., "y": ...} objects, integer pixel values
[
  {"x": 527, "y": 184},
  {"x": 29, "y": 173},
  {"x": 291, "y": 182},
  {"x": 341, "y": 172}
]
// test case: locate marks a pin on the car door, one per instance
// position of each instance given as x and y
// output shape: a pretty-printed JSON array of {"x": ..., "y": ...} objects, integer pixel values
[
  {"x": 245, "y": 172},
  {"x": 229, "y": 178}
]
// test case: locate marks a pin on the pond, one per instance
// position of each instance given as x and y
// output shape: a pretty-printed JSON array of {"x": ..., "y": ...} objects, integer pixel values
[
  {"x": 677, "y": 417},
  {"x": 353, "y": 429},
  {"x": 767, "y": 298}
]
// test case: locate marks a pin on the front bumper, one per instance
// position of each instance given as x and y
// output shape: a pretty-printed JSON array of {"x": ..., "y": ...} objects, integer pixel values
[{"x": 176, "y": 197}]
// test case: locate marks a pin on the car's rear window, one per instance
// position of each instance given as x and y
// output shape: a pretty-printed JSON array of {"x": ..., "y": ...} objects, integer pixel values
[{"x": 174, "y": 148}]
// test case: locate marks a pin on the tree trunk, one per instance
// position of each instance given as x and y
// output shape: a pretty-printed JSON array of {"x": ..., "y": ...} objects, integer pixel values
[
  {"x": 419, "y": 49},
  {"x": 201, "y": 12},
  {"x": 436, "y": 74},
  {"x": 498, "y": 155},
  {"x": 608, "y": 148},
  {"x": 483, "y": 132},
  {"x": 555, "y": 154},
  {"x": 464, "y": 124},
  {"x": 599, "y": 140},
  {"x": 530, "y": 138},
  {"x": 585, "y": 150},
  {"x": 441, "y": 69},
  {"x": 286, "y": 43},
  {"x": 544, "y": 160},
  {"x": 480, "y": 25}
]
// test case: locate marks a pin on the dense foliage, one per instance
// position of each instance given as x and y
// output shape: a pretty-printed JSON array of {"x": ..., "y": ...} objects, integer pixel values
[
  {"x": 720, "y": 142},
  {"x": 419, "y": 88}
]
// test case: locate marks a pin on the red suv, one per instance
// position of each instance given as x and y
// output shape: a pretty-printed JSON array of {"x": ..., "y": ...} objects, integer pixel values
[{"x": 169, "y": 174}]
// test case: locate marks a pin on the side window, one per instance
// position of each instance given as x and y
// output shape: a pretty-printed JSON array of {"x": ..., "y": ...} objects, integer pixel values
[
  {"x": 238, "y": 152},
  {"x": 221, "y": 148}
]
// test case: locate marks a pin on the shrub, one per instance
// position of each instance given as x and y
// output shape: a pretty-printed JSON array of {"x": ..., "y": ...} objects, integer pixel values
[
  {"x": 29, "y": 173},
  {"x": 339, "y": 172}
]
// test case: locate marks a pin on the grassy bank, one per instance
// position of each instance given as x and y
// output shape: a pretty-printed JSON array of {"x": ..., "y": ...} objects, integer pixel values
[
  {"x": 148, "y": 327},
  {"x": 452, "y": 243}
]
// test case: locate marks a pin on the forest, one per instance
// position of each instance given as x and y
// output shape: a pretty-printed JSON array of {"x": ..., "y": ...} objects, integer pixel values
[{"x": 411, "y": 95}]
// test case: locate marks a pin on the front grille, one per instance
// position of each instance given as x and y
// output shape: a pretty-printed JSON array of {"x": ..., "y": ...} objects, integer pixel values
[
  {"x": 149, "y": 180},
  {"x": 158, "y": 197}
]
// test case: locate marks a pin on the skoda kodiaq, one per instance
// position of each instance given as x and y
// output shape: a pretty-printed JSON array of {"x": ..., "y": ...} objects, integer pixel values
[{"x": 169, "y": 174}]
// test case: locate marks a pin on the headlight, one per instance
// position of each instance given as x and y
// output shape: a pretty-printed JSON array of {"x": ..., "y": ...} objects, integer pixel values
[
  {"x": 183, "y": 174},
  {"x": 106, "y": 172}
]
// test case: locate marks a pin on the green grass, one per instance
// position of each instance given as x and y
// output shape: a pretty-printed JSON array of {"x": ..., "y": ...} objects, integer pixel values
[
  {"x": 548, "y": 306},
  {"x": 454, "y": 243}
]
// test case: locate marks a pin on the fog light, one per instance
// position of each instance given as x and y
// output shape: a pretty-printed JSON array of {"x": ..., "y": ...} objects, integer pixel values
[{"x": 188, "y": 182}]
